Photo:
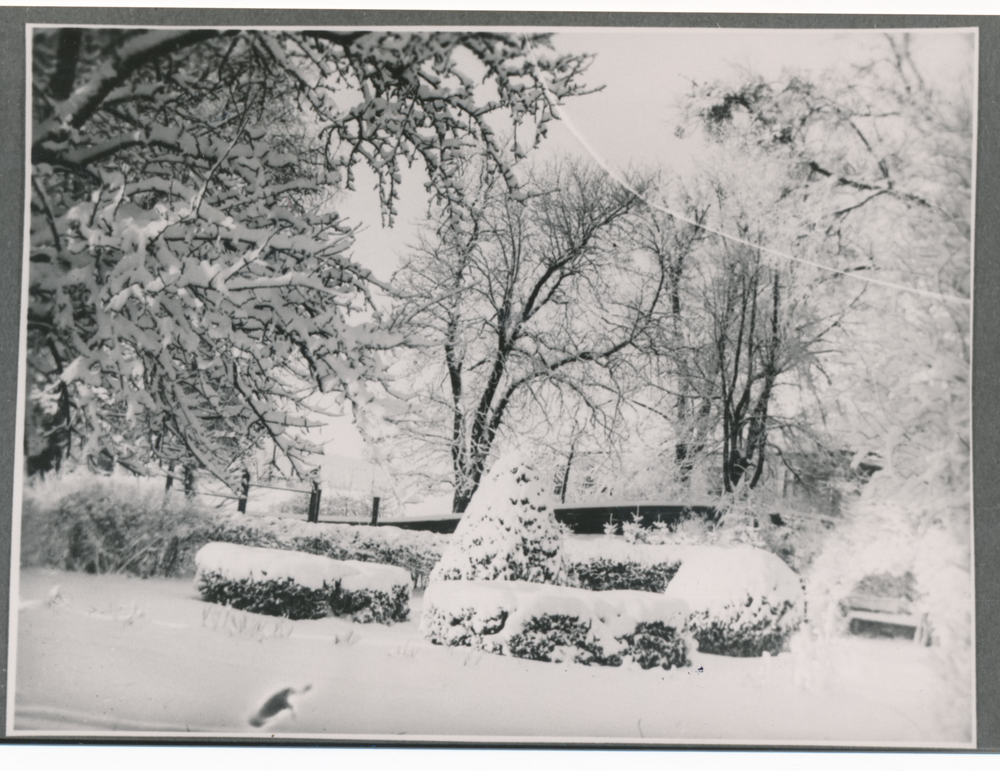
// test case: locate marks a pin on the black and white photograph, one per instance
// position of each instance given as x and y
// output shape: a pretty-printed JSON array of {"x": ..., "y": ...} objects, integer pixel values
[{"x": 496, "y": 385}]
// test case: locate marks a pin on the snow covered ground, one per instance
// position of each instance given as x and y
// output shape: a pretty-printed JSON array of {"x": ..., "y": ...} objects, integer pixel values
[{"x": 114, "y": 654}]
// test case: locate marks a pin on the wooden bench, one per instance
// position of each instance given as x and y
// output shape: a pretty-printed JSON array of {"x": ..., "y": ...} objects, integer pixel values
[{"x": 885, "y": 611}]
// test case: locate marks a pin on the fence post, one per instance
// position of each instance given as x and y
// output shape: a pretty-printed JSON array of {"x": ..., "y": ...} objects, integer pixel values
[
  {"x": 374, "y": 520},
  {"x": 244, "y": 492},
  {"x": 313, "y": 515},
  {"x": 189, "y": 481},
  {"x": 170, "y": 477}
]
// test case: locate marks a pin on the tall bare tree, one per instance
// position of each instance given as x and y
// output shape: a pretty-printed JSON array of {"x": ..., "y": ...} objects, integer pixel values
[{"x": 531, "y": 313}]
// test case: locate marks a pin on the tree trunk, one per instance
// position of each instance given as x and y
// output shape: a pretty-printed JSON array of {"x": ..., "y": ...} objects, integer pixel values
[{"x": 460, "y": 501}]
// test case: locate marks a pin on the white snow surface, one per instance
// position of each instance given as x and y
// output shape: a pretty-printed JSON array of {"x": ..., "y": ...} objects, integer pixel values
[
  {"x": 285, "y": 528},
  {"x": 117, "y": 654},
  {"x": 508, "y": 531},
  {"x": 720, "y": 579},
  {"x": 238, "y": 563},
  {"x": 616, "y": 549},
  {"x": 609, "y": 614}
]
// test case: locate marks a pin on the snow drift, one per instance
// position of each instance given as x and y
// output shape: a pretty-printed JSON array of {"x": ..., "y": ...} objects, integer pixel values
[{"x": 298, "y": 585}]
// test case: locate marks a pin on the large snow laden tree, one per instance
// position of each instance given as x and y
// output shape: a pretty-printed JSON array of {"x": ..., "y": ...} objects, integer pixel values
[
  {"x": 190, "y": 288},
  {"x": 508, "y": 532},
  {"x": 527, "y": 316},
  {"x": 743, "y": 332},
  {"x": 727, "y": 365},
  {"x": 883, "y": 156}
]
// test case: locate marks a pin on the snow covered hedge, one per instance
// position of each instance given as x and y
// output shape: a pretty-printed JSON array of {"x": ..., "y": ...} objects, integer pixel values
[
  {"x": 120, "y": 524},
  {"x": 554, "y": 623},
  {"x": 742, "y": 601},
  {"x": 603, "y": 574},
  {"x": 286, "y": 583},
  {"x": 414, "y": 550},
  {"x": 508, "y": 532},
  {"x": 605, "y": 563},
  {"x": 78, "y": 521}
]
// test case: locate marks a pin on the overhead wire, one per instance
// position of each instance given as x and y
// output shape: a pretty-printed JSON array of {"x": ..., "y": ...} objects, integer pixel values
[{"x": 563, "y": 116}]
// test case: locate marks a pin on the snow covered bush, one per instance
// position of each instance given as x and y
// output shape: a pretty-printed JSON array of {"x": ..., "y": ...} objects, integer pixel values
[
  {"x": 739, "y": 520},
  {"x": 280, "y": 597},
  {"x": 285, "y": 583},
  {"x": 799, "y": 540},
  {"x": 555, "y": 623},
  {"x": 691, "y": 529},
  {"x": 508, "y": 532},
  {"x": 367, "y": 601},
  {"x": 553, "y": 635},
  {"x": 120, "y": 524},
  {"x": 743, "y": 601},
  {"x": 115, "y": 524},
  {"x": 414, "y": 550},
  {"x": 600, "y": 564},
  {"x": 603, "y": 574}
]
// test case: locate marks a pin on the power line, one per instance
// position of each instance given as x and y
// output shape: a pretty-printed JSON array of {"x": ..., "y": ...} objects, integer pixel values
[{"x": 568, "y": 122}]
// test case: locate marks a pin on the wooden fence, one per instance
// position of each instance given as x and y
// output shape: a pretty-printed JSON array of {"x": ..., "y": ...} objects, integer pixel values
[{"x": 315, "y": 493}]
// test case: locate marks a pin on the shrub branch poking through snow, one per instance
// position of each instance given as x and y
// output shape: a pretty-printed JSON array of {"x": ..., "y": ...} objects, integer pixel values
[
  {"x": 557, "y": 623},
  {"x": 743, "y": 601},
  {"x": 297, "y": 585},
  {"x": 508, "y": 532}
]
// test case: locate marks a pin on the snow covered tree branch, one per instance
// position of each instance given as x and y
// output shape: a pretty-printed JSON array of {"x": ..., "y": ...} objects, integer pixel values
[{"x": 190, "y": 285}]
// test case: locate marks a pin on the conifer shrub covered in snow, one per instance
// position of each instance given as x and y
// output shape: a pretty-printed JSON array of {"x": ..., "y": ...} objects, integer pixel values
[
  {"x": 508, "y": 532},
  {"x": 556, "y": 623},
  {"x": 285, "y": 583},
  {"x": 742, "y": 601}
]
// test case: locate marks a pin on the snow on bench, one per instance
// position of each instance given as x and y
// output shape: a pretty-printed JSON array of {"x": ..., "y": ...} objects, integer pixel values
[
  {"x": 298, "y": 585},
  {"x": 556, "y": 623},
  {"x": 885, "y": 612}
]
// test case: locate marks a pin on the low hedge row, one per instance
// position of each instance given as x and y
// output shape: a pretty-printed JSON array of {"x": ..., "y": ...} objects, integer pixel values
[
  {"x": 650, "y": 645},
  {"x": 416, "y": 551},
  {"x": 284, "y": 597},
  {"x": 737, "y": 636},
  {"x": 551, "y": 623},
  {"x": 279, "y": 582},
  {"x": 605, "y": 574}
]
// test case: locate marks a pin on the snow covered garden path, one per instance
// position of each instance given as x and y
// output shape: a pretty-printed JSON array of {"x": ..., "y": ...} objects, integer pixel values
[{"x": 117, "y": 654}]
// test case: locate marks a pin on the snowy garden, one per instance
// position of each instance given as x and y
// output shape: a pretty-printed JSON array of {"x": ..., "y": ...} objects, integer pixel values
[
  {"x": 571, "y": 638},
  {"x": 733, "y": 329}
]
